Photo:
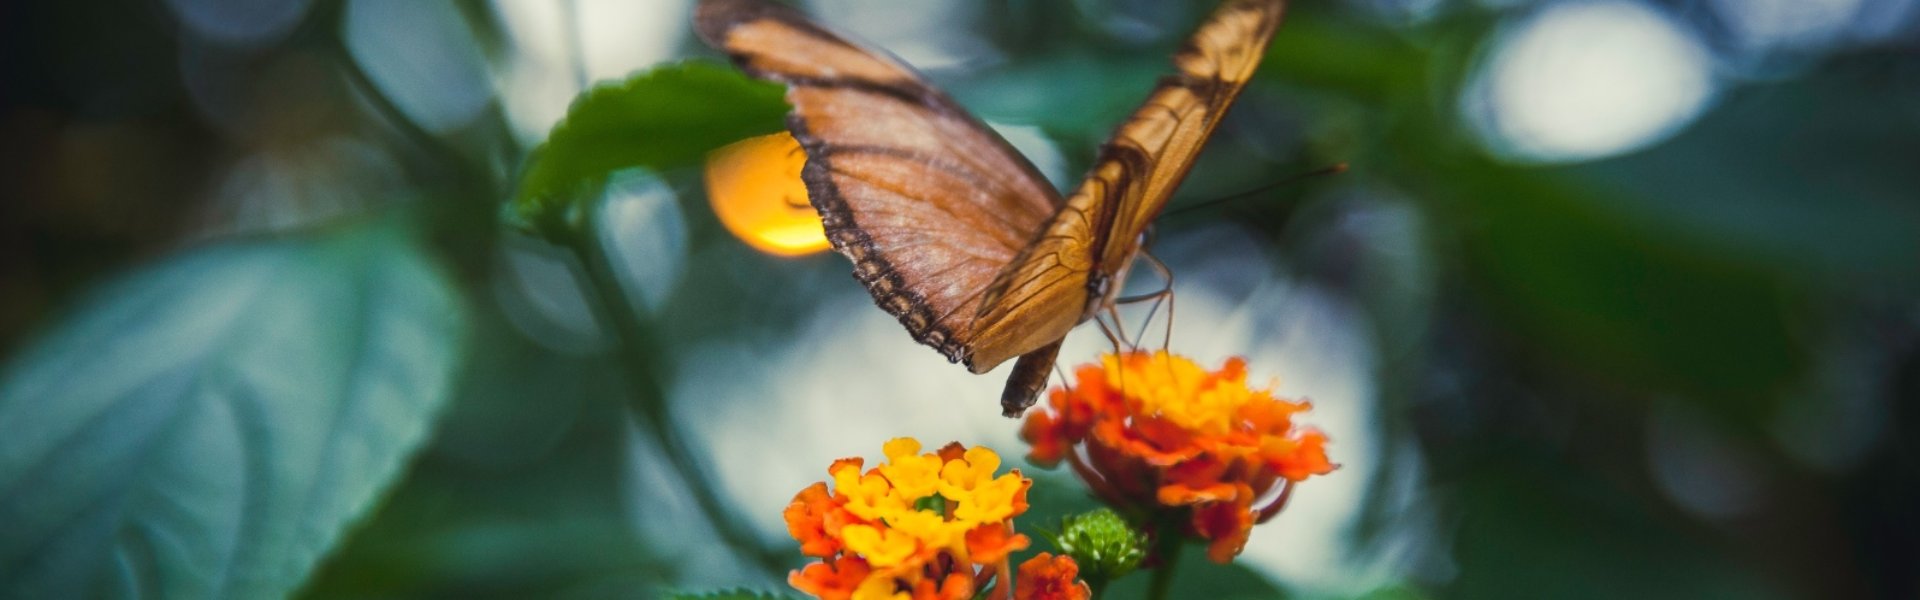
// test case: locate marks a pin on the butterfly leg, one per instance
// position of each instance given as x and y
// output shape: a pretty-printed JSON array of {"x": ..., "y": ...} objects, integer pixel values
[
  {"x": 1106, "y": 330},
  {"x": 1164, "y": 293},
  {"x": 1113, "y": 312}
]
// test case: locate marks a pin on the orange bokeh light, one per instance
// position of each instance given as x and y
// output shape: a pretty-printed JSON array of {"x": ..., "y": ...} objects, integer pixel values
[{"x": 755, "y": 188}]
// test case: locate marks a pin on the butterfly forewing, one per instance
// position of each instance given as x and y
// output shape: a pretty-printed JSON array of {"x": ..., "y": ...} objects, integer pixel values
[
  {"x": 1074, "y": 268},
  {"x": 928, "y": 203},
  {"x": 1173, "y": 125}
]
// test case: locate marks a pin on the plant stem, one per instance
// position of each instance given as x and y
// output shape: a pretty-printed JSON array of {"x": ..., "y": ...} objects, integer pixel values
[
  {"x": 1162, "y": 581},
  {"x": 655, "y": 415},
  {"x": 1005, "y": 569}
]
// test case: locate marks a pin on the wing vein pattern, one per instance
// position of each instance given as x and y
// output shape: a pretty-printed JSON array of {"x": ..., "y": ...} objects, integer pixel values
[
  {"x": 928, "y": 203},
  {"x": 1079, "y": 259}
]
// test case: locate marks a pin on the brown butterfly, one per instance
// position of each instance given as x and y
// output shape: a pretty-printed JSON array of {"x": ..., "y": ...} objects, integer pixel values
[{"x": 946, "y": 224}]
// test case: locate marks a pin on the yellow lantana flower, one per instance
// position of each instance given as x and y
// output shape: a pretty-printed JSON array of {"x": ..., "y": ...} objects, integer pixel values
[{"x": 932, "y": 523}]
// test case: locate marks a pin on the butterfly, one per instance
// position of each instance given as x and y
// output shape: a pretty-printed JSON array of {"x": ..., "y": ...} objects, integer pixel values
[{"x": 950, "y": 228}]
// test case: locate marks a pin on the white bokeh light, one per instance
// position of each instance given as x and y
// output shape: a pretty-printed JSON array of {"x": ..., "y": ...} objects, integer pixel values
[
  {"x": 424, "y": 57},
  {"x": 562, "y": 46},
  {"x": 240, "y": 22},
  {"x": 1704, "y": 469},
  {"x": 1586, "y": 80},
  {"x": 645, "y": 233},
  {"x": 292, "y": 187},
  {"x": 1878, "y": 20},
  {"x": 1765, "y": 24},
  {"x": 539, "y": 290},
  {"x": 1777, "y": 38},
  {"x": 536, "y": 81},
  {"x": 618, "y": 37},
  {"x": 929, "y": 34}
]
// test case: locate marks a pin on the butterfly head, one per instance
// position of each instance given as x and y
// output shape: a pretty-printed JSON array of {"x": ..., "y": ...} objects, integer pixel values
[{"x": 1100, "y": 290}]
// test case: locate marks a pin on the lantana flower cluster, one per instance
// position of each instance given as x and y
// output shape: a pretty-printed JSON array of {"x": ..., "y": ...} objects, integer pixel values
[
  {"x": 921, "y": 526},
  {"x": 1154, "y": 433}
]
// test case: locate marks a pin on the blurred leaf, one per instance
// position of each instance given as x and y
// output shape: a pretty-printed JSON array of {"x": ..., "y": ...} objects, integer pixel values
[
  {"x": 1373, "y": 64},
  {"x": 490, "y": 512},
  {"x": 1198, "y": 577},
  {"x": 209, "y": 426},
  {"x": 729, "y": 595},
  {"x": 1831, "y": 196},
  {"x": 1625, "y": 299},
  {"x": 668, "y": 117},
  {"x": 1391, "y": 591},
  {"x": 1398, "y": 591},
  {"x": 1532, "y": 528},
  {"x": 1097, "y": 92}
]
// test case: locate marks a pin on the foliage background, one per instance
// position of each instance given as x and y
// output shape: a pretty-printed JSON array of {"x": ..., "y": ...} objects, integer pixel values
[{"x": 1618, "y": 298}]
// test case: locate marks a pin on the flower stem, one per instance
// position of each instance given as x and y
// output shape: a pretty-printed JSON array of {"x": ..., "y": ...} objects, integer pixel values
[
  {"x": 1005, "y": 569},
  {"x": 1169, "y": 553},
  {"x": 652, "y": 409}
]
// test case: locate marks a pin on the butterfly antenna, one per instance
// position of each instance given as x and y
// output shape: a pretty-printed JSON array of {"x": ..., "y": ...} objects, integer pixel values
[{"x": 1332, "y": 170}]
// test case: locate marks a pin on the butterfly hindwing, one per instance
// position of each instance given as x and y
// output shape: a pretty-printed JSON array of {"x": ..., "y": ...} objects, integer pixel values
[{"x": 927, "y": 202}]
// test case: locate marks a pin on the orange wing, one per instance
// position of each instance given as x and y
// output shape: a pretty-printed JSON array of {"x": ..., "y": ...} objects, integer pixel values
[
  {"x": 928, "y": 203},
  {"x": 1076, "y": 266}
]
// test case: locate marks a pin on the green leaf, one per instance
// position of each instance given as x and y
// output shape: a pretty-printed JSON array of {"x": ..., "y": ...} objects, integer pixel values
[
  {"x": 671, "y": 116},
  {"x": 1529, "y": 527},
  {"x": 537, "y": 511},
  {"x": 728, "y": 595},
  {"x": 208, "y": 427},
  {"x": 1830, "y": 201},
  {"x": 1374, "y": 64}
]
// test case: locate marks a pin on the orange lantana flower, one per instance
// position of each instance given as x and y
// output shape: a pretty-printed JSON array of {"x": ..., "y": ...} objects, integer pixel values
[
  {"x": 1156, "y": 432},
  {"x": 833, "y": 579},
  {"x": 921, "y": 526},
  {"x": 1049, "y": 577}
]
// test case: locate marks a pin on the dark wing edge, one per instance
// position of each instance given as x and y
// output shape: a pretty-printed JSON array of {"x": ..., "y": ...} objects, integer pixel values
[{"x": 890, "y": 291}]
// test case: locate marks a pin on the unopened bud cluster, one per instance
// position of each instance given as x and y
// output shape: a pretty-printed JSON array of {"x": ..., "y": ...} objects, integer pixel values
[{"x": 1103, "y": 543}]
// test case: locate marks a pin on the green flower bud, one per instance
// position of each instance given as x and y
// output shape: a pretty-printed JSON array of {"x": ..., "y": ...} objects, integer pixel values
[{"x": 1102, "y": 543}]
